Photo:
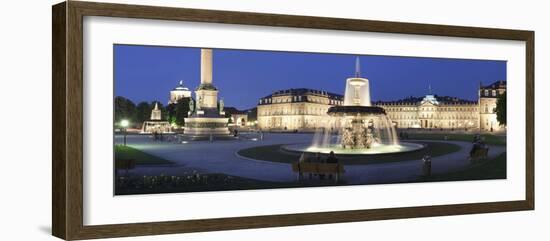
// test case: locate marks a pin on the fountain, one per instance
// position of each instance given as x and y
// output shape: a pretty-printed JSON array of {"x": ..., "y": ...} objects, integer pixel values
[
  {"x": 357, "y": 127},
  {"x": 155, "y": 124}
]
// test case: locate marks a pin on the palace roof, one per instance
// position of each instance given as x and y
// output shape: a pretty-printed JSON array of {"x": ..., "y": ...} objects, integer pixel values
[
  {"x": 501, "y": 84},
  {"x": 234, "y": 111},
  {"x": 305, "y": 91},
  {"x": 441, "y": 100},
  {"x": 181, "y": 87}
]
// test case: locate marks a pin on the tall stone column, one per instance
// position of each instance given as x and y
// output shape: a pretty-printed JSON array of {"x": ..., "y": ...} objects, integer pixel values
[
  {"x": 206, "y": 93},
  {"x": 207, "y": 120},
  {"x": 206, "y": 66}
]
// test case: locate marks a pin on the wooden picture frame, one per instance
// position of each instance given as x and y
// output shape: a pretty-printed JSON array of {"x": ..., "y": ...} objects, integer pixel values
[{"x": 67, "y": 124}]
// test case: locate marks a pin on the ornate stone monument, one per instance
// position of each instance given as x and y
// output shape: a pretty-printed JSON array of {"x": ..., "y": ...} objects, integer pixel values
[
  {"x": 156, "y": 113},
  {"x": 206, "y": 116}
]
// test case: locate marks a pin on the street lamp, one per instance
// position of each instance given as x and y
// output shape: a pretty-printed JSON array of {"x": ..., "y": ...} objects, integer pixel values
[{"x": 124, "y": 124}]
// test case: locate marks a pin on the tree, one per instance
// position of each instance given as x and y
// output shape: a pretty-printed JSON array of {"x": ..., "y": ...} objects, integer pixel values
[
  {"x": 181, "y": 111},
  {"x": 252, "y": 114},
  {"x": 125, "y": 109},
  {"x": 501, "y": 109},
  {"x": 143, "y": 112},
  {"x": 170, "y": 113}
]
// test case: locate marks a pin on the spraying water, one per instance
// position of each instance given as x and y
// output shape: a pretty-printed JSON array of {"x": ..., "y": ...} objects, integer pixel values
[{"x": 357, "y": 126}]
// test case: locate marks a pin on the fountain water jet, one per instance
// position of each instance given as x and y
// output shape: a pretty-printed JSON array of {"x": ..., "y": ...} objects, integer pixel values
[{"x": 356, "y": 127}]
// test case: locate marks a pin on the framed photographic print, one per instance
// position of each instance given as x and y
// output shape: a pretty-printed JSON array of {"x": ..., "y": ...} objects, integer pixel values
[{"x": 217, "y": 120}]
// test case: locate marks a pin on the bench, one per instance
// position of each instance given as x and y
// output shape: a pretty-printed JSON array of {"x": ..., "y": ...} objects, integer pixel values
[
  {"x": 317, "y": 168},
  {"x": 479, "y": 153}
]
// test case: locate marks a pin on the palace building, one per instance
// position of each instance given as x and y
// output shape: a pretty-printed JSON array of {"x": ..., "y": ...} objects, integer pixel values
[
  {"x": 488, "y": 103},
  {"x": 305, "y": 109},
  {"x": 295, "y": 109},
  {"x": 432, "y": 111}
]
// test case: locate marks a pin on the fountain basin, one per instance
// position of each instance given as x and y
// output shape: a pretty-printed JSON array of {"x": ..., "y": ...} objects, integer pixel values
[{"x": 378, "y": 149}]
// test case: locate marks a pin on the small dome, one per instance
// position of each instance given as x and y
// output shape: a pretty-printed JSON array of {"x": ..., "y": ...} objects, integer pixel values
[{"x": 181, "y": 87}]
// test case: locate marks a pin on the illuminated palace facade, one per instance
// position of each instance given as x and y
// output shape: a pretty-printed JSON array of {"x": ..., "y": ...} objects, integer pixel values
[
  {"x": 295, "y": 109},
  {"x": 305, "y": 109}
]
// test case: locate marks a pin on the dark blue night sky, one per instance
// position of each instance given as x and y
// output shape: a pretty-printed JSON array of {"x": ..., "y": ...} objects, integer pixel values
[{"x": 146, "y": 73}]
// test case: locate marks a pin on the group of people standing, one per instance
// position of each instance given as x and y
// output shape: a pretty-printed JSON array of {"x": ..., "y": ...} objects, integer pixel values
[
  {"x": 318, "y": 158},
  {"x": 157, "y": 136}
]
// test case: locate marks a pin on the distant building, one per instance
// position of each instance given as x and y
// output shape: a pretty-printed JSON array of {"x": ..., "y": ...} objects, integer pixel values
[
  {"x": 178, "y": 93},
  {"x": 295, "y": 109},
  {"x": 432, "y": 111},
  {"x": 237, "y": 118},
  {"x": 304, "y": 109},
  {"x": 488, "y": 103}
]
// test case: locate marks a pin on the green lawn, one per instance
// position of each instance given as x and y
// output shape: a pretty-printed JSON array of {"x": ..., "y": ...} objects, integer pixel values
[
  {"x": 140, "y": 157},
  {"x": 270, "y": 153},
  {"x": 488, "y": 169},
  {"x": 489, "y": 139},
  {"x": 273, "y": 153}
]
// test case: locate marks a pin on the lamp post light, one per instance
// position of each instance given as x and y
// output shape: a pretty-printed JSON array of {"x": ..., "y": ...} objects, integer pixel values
[{"x": 124, "y": 124}]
